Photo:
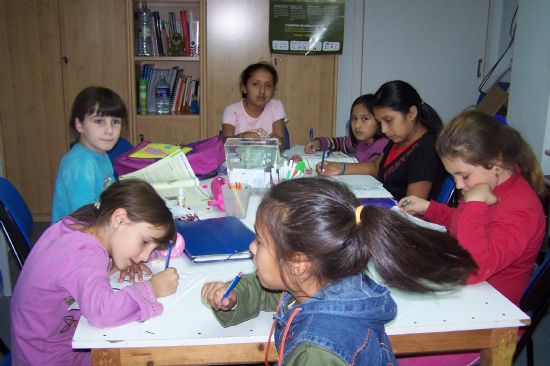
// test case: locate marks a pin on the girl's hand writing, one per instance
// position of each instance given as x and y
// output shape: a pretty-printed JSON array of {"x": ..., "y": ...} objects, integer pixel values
[
  {"x": 312, "y": 147},
  {"x": 212, "y": 294},
  {"x": 413, "y": 205},
  {"x": 329, "y": 168},
  {"x": 132, "y": 271},
  {"x": 165, "y": 283},
  {"x": 482, "y": 193}
]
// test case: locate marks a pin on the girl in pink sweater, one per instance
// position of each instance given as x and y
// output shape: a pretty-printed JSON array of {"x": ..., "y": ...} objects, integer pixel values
[{"x": 67, "y": 274}]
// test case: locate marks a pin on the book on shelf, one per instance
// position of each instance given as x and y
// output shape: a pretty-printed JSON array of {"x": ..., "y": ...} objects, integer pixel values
[
  {"x": 171, "y": 174},
  {"x": 185, "y": 28}
]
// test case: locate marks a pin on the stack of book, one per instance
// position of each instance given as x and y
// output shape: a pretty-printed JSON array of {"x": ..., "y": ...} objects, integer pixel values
[
  {"x": 183, "y": 88},
  {"x": 176, "y": 36}
]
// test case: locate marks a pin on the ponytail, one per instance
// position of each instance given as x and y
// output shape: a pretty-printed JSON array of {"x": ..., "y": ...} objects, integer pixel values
[
  {"x": 410, "y": 257},
  {"x": 319, "y": 218}
]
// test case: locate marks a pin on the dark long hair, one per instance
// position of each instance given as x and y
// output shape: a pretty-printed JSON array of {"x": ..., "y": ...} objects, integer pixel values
[
  {"x": 366, "y": 100},
  {"x": 317, "y": 217},
  {"x": 141, "y": 202},
  {"x": 251, "y": 69},
  {"x": 400, "y": 96},
  {"x": 480, "y": 139},
  {"x": 97, "y": 100}
]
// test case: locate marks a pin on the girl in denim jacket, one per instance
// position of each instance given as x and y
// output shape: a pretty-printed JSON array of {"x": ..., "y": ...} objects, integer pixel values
[{"x": 313, "y": 243}]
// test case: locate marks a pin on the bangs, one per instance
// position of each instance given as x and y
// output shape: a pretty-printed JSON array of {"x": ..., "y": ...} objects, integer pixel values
[{"x": 108, "y": 108}]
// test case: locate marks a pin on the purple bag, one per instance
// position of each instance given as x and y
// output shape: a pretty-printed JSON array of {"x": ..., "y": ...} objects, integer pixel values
[
  {"x": 124, "y": 164},
  {"x": 207, "y": 155},
  {"x": 205, "y": 158}
]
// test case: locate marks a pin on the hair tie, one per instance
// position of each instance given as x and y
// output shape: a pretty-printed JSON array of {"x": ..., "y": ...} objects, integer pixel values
[
  {"x": 358, "y": 210},
  {"x": 97, "y": 204}
]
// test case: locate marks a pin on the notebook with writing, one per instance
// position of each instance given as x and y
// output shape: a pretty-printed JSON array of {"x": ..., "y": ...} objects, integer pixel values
[{"x": 216, "y": 239}]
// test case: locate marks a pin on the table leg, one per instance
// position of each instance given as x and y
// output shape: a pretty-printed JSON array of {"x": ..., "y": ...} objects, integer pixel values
[{"x": 503, "y": 342}]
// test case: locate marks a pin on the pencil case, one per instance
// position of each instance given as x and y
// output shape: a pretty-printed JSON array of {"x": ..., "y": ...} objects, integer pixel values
[{"x": 177, "y": 249}]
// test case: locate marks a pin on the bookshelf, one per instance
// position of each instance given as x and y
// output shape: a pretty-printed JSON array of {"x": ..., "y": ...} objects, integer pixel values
[{"x": 181, "y": 125}]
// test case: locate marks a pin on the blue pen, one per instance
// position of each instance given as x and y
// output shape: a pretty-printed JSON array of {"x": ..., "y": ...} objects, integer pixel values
[
  {"x": 168, "y": 256},
  {"x": 323, "y": 158},
  {"x": 232, "y": 285},
  {"x": 311, "y": 135}
]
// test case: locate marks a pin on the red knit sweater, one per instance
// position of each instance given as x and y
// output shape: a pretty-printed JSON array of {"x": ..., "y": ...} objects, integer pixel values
[{"x": 503, "y": 239}]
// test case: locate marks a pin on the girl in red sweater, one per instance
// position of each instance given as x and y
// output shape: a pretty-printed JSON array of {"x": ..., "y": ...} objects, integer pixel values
[{"x": 500, "y": 220}]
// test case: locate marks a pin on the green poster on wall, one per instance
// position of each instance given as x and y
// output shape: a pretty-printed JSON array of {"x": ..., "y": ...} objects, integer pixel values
[{"x": 307, "y": 27}]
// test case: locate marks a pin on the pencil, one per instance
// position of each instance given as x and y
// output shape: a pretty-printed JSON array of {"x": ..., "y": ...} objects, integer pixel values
[
  {"x": 169, "y": 255},
  {"x": 323, "y": 158},
  {"x": 232, "y": 285}
]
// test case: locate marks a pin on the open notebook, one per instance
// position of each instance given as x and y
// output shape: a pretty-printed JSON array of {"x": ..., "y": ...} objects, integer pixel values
[
  {"x": 169, "y": 175},
  {"x": 419, "y": 221}
]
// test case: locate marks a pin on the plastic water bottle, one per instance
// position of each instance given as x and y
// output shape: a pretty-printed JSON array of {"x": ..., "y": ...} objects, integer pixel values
[
  {"x": 162, "y": 94},
  {"x": 144, "y": 45}
]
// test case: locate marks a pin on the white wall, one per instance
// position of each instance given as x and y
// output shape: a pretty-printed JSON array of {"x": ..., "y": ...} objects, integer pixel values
[
  {"x": 529, "y": 102},
  {"x": 350, "y": 73}
]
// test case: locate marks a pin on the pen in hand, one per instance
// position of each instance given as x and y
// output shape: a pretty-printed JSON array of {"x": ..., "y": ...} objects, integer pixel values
[
  {"x": 169, "y": 255},
  {"x": 323, "y": 158},
  {"x": 232, "y": 285}
]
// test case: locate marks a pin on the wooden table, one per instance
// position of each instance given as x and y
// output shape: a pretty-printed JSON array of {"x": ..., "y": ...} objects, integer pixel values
[{"x": 475, "y": 317}]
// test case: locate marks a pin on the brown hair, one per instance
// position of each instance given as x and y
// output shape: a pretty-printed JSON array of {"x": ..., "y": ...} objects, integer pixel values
[
  {"x": 480, "y": 139},
  {"x": 316, "y": 217},
  {"x": 141, "y": 202}
]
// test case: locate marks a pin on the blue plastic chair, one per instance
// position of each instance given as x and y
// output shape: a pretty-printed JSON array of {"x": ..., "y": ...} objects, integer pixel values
[
  {"x": 447, "y": 190},
  {"x": 535, "y": 301},
  {"x": 17, "y": 208},
  {"x": 287, "y": 139}
]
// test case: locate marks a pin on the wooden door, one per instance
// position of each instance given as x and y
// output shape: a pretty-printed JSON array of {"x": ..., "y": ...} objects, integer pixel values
[
  {"x": 238, "y": 35},
  {"x": 31, "y": 99},
  {"x": 307, "y": 86},
  {"x": 94, "y": 47}
]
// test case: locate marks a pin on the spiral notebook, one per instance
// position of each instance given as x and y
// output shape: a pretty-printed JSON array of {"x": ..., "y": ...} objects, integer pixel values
[{"x": 217, "y": 239}]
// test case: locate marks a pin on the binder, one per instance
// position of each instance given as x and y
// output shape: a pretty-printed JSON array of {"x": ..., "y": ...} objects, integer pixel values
[{"x": 216, "y": 239}]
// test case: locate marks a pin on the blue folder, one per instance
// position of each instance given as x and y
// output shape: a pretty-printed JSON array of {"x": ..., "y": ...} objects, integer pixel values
[{"x": 217, "y": 239}]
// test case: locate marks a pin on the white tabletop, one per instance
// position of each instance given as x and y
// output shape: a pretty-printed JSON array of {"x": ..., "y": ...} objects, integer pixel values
[{"x": 186, "y": 321}]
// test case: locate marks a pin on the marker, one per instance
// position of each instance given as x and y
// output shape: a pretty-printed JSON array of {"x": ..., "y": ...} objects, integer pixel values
[
  {"x": 323, "y": 158},
  {"x": 232, "y": 285},
  {"x": 405, "y": 202},
  {"x": 311, "y": 135},
  {"x": 168, "y": 255}
]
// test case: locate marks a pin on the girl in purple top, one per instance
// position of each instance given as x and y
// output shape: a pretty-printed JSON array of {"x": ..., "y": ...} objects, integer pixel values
[
  {"x": 365, "y": 140},
  {"x": 70, "y": 265}
]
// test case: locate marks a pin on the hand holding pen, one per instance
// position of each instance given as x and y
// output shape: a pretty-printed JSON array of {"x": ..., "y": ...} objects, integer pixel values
[
  {"x": 313, "y": 144},
  {"x": 220, "y": 296},
  {"x": 413, "y": 205}
]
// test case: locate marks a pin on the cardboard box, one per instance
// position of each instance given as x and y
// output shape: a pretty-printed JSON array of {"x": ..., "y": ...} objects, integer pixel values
[{"x": 494, "y": 100}]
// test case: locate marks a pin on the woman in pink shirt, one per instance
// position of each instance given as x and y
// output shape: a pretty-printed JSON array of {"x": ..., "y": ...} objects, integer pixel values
[
  {"x": 67, "y": 274},
  {"x": 257, "y": 115}
]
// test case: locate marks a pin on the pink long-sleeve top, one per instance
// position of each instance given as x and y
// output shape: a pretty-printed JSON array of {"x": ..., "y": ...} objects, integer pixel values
[
  {"x": 64, "y": 266},
  {"x": 503, "y": 238}
]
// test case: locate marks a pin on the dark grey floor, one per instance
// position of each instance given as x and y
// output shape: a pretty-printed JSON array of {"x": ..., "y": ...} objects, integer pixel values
[{"x": 541, "y": 337}]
